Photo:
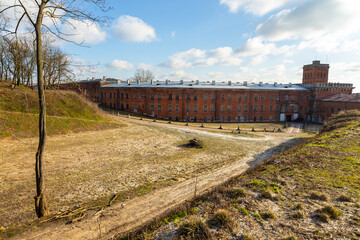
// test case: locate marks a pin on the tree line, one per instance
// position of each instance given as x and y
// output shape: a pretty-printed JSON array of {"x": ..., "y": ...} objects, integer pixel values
[{"x": 18, "y": 62}]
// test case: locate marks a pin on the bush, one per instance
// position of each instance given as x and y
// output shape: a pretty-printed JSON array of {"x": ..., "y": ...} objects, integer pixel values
[
  {"x": 243, "y": 211},
  {"x": 333, "y": 212},
  {"x": 322, "y": 217},
  {"x": 345, "y": 198},
  {"x": 318, "y": 196},
  {"x": 236, "y": 192},
  {"x": 222, "y": 219},
  {"x": 266, "y": 194},
  {"x": 267, "y": 215},
  {"x": 194, "y": 228},
  {"x": 298, "y": 214}
]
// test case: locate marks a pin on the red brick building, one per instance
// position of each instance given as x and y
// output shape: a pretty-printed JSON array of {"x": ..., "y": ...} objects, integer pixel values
[
  {"x": 313, "y": 100},
  {"x": 211, "y": 102}
]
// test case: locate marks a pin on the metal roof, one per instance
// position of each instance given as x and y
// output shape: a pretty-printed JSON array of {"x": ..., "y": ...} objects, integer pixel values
[{"x": 209, "y": 85}]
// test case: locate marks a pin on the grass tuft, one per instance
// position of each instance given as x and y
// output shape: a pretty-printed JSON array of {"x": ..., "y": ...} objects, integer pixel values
[
  {"x": 222, "y": 219},
  {"x": 194, "y": 228},
  {"x": 318, "y": 196},
  {"x": 236, "y": 192}
]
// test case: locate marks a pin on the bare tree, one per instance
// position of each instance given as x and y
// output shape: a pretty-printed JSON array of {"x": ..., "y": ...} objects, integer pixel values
[
  {"x": 142, "y": 75},
  {"x": 58, "y": 11}
]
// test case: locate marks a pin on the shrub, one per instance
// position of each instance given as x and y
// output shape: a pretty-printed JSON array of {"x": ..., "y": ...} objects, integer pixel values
[
  {"x": 246, "y": 237},
  {"x": 267, "y": 215},
  {"x": 222, "y": 219},
  {"x": 345, "y": 198},
  {"x": 236, "y": 192},
  {"x": 243, "y": 211},
  {"x": 256, "y": 184},
  {"x": 333, "y": 212},
  {"x": 266, "y": 194},
  {"x": 194, "y": 228},
  {"x": 318, "y": 196},
  {"x": 257, "y": 215},
  {"x": 298, "y": 214},
  {"x": 298, "y": 206},
  {"x": 322, "y": 217}
]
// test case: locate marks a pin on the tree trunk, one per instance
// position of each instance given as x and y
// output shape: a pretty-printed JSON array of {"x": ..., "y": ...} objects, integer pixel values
[{"x": 40, "y": 200}]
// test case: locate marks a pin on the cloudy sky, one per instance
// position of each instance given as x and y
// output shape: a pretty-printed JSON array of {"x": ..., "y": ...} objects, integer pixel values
[{"x": 238, "y": 40}]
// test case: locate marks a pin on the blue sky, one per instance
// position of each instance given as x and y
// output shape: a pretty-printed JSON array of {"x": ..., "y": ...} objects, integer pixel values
[{"x": 238, "y": 40}]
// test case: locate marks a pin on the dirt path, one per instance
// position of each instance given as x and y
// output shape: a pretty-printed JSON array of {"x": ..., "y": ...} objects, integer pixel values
[{"x": 138, "y": 211}]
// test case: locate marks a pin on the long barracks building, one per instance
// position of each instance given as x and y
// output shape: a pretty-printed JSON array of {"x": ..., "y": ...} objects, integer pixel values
[{"x": 232, "y": 101}]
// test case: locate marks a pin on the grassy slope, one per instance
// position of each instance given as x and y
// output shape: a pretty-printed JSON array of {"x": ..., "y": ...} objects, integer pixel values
[
  {"x": 67, "y": 111},
  {"x": 309, "y": 192}
]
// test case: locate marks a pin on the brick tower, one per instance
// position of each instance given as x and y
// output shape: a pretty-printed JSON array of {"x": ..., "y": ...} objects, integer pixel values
[{"x": 315, "y": 73}]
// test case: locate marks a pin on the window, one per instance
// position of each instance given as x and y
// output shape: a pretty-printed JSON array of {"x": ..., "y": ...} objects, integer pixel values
[
  {"x": 170, "y": 108},
  {"x": 177, "y": 97},
  {"x": 254, "y": 118},
  {"x": 239, "y": 108},
  {"x": 151, "y": 96},
  {"x": 212, "y": 108},
  {"x": 122, "y": 96},
  {"x": 127, "y": 106},
  {"x": 177, "y": 108},
  {"x": 271, "y": 97},
  {"x": 205, "y": 119},
  {"x": 255, "y": 97},
  {"x": 188, "y": 96},
  {"x": 229, "y": 119},
  {"x": 127, "y": 96},
  {"x": 287, "y": 97},
  {"x": 205, "y": 97},
  {"x": 307, "y": 98},
  {"x": 278, "y": 97},
  {"x": 245, "y": 108},
  {"x": 195, "y": 108},
  {"x": 262, "y": 97},
  {"x": 222, "y": 108},
  {"x": 223, "y": 97},
  {"x": 271, "y": 108},
  {"x": 239, "y": 98},
  {"x": 246, "y": 97},
  {"x": 229, "y": 97},
  {"x": 255, "y": 108},
  {"x": 261, "y": 108},
  {"x": 212, "y": 96},
  {"x": 292, "y": 98},
  {"x": 110, "y": 95},
  {"x": 136, "y": 96},
  {"x": 277, "y": 108},
  {"x": 229, "y": 108},
  {"x": 188, "y": 108},
  {"x": 159, "y": 96},
  {"x": 195, "y": 97},
  {"x": 159, "y": 108},
  {"x": 261, "y": 118},
  {"x": 170, "y": 96},
  {"x": 205, "y": 108},
  {"x": 292, "y": 108}
]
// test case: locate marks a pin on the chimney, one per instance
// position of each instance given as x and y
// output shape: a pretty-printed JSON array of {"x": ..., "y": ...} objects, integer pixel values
[
  {"x": 260, "y": 83},
  {"x": 93, "y": 78},
  {"x": 213, "y": 83},
  {"x": 167, "y": 81},
  {"x": 290, "y": 84},
  {"x": 181, "y": 82},
  {"x": 128, "y": 81},
  {"x": 197, "y": 82},
  {"x": 104, "y": 78},
  {"x": 245, "y": 83},
  {"x": 138, "y": 81},
  {"x": 229, "y": 83},
  {"x": 275, "y": 84}
]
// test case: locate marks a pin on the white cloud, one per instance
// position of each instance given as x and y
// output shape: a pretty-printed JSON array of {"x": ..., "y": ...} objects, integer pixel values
[
  {"x": 178, "y": 75},
  {"x": 121, "y": 65},
  {"x": 230, "y": 61},
  {"x": 202, "y": 58},
  {"x": 83, "y": 32},
  {"x": 205, "y": 62},
  {"x": 312, "y": 19},
  {"x": 257, "y": 7},
  {"x": 133, "y": 29},
  {"x": 145, "y": 66},
  {"x": 173, "y": 34},
  {"x": 257, "y": 60},
  {"x": 255, "y": 46},
  {"x": 221, "y": 52},
  {"x": 215, "y": 75}
]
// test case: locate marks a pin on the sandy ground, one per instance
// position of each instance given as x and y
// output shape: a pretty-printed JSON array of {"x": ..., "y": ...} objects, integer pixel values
[{"x": 96, "y": 164}]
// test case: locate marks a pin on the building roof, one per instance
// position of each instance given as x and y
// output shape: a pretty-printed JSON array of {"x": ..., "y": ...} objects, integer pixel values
[
  {"x": 342, "y": 98},
  {"x": 316, "y": 63},
  {"x": 209, "y": 85}
]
